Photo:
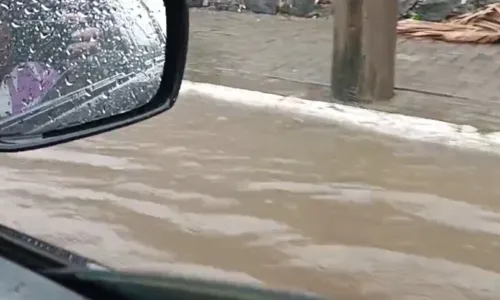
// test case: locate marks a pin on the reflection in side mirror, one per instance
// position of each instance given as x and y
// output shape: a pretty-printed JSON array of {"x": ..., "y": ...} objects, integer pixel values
[{"x": 70, "y": 69}]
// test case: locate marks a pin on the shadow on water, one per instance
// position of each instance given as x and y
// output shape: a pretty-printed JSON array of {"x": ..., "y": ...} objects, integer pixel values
[{"x": 239, "y": 194}]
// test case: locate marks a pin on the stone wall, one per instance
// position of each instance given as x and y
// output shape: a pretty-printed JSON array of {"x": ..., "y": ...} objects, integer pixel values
[{"x": 429, "y": 10}]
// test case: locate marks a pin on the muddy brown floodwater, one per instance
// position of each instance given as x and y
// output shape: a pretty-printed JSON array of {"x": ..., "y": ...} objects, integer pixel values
[{"x": 240, "y": 194}]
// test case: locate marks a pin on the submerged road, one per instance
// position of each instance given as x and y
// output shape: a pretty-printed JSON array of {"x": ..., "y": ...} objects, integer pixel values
[{"x": 236, "y": 193}]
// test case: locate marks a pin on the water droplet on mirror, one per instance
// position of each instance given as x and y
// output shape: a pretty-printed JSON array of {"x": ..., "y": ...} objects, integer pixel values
[
  {"x": 51, "y": 118},
  {"x": 68, "y": 82},
  {"x": 44, "y": 34},
  {"x": 25, "y": 102},
  {"x": 29, "y": 11}
]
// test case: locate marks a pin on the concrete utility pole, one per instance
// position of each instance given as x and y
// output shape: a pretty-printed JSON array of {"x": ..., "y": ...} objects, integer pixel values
[{"x": 364, "y": 50}]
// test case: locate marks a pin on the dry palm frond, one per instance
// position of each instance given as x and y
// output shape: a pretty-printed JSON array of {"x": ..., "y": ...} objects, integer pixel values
[{"x": 481, "y": 27}]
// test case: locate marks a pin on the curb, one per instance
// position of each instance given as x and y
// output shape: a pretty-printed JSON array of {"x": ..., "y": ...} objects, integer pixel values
[{"x": 390, "y": 124}]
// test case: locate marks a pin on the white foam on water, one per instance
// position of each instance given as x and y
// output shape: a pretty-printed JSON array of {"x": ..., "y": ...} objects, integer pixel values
[{"x": 397, "y": 125}]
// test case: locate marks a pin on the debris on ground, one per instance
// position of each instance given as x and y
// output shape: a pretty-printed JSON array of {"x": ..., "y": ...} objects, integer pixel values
[
  {"x": 298, "y": 8},
  {"x": 438, "y": 10},
  {"x": 480, "y": 27}
]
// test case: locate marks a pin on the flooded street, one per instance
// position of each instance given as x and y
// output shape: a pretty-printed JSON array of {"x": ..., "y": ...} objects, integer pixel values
[{"x": 241, "y": 194}]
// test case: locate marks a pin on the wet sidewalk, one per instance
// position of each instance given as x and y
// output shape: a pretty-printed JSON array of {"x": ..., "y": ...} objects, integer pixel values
[{"x": 289, "y": 56}]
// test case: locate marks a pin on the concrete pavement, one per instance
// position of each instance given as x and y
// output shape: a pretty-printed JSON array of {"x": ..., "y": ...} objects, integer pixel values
[{"x": 291, "y": 56}]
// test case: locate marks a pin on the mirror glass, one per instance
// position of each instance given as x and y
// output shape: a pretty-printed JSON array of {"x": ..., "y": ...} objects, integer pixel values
[{"x": 64, "y": 62}]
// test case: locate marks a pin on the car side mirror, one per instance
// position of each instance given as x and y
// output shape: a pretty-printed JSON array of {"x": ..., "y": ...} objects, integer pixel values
[{"x": 74, "y": 70}]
